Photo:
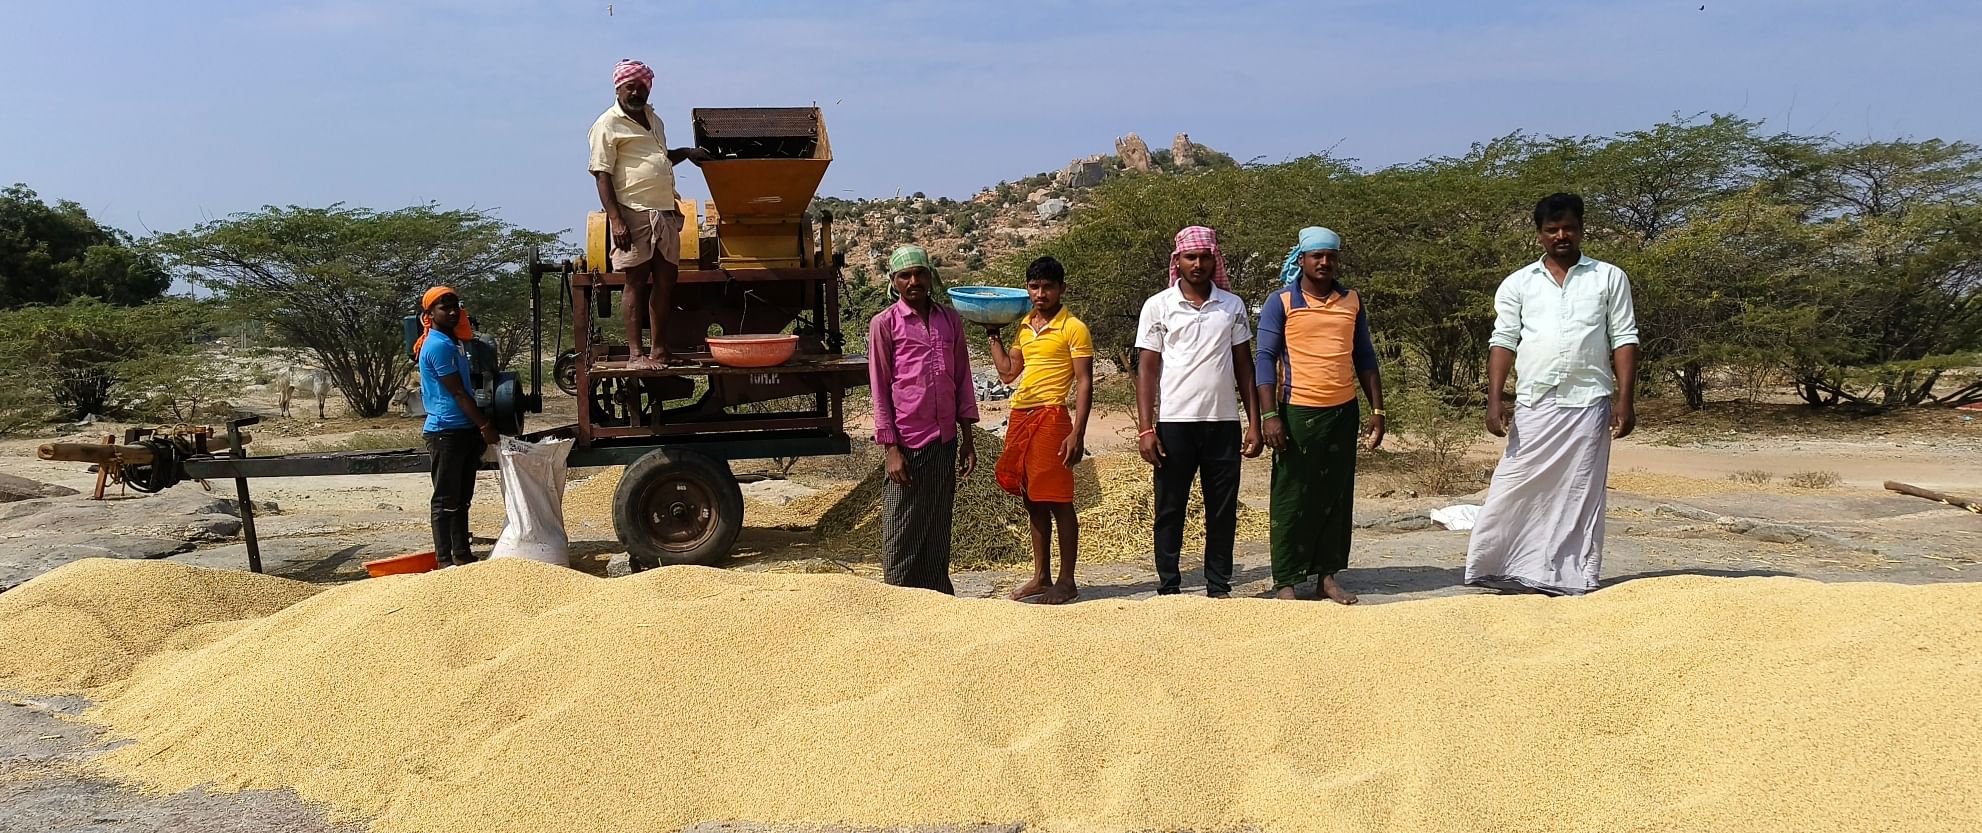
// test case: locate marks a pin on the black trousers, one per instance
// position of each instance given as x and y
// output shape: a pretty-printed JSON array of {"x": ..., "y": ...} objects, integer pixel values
[
  {"x": 1208, "y": 451},
  {"x": 457, "y": 455}
]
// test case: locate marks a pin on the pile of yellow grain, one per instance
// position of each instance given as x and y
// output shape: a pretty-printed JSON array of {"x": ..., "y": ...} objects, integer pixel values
[
  {"x": 520, "y": 697},
  {"x": 92, "y": 621},
  {"x": 1115, "y": 497}
]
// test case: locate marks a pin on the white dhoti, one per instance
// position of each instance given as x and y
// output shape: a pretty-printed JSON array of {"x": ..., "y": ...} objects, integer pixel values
[{"x": 1542, "y": 526}]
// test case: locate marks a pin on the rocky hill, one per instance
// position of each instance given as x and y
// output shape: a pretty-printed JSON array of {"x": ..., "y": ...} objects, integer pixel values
[{"x": 964, "y": 236}]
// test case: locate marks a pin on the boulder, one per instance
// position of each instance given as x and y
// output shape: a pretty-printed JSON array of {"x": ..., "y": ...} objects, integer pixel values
[
  {"x": 20, "y": 488},
  {"x": 1680, "y": 510},
  {"x": 1401, "y": 522},
  {"x": 1053, "y": 209},
  {"x": 1083, "y": 173},
  {"x": 1134, "y": 153},
  {"x": 1182, "y": 152},
  {"x": 24, "y": 558},
  {"x": 133, "y": 514},
  {"x": 324, "y": 559}
]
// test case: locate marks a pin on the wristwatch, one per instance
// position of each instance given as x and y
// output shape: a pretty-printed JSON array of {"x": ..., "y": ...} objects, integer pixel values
[{"x": 1376, "y": 412}]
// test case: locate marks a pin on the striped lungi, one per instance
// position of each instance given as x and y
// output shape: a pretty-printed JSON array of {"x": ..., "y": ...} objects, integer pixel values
[{"x": 915, "y": 520}]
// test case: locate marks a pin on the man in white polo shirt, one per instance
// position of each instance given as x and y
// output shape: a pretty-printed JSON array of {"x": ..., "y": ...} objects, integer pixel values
[{"x": 1194, "y": 371}]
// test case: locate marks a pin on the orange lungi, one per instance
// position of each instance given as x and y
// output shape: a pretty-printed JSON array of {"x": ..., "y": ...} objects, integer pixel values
[{"x": 1031, "y": 466}]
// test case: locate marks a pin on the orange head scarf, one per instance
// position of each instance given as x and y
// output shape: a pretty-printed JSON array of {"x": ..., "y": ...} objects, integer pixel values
[{"x": 462, "y": 329}]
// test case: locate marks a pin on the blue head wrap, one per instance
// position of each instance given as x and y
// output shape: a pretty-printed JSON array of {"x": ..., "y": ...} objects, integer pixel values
[{"x": 1313, "y": 239}]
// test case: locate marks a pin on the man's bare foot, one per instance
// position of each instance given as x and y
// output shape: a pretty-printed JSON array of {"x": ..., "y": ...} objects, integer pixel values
[
  {"x": 1060, "y": 594},
  {"x": 643, "y": 363},
  {"x": 1286, "y": 593},
  {"x": 660, "y": 357},
  {"x": 1029, "y": 589},
  {"x": 1333, "y": 592}
]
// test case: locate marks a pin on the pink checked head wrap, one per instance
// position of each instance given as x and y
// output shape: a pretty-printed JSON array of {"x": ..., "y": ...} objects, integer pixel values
[
  {"x": 1193, "y": 239},
  {"x": 631, "y": 70}
]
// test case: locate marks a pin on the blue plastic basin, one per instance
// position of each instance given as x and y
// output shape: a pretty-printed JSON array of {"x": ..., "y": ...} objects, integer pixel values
[{"x": 995, "y": 305}]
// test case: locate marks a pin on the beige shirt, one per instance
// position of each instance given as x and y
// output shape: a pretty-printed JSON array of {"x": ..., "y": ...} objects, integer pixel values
[{"x": 637, "y": 158}]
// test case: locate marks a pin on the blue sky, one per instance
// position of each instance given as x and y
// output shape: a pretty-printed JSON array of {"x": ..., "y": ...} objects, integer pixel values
[{"x": 156, "y": 116}]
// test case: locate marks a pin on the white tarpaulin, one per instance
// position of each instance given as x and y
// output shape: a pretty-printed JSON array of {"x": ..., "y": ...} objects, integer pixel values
[
  {"x": 532, "y": 477},
  {"x": 1456, "y": 518}
]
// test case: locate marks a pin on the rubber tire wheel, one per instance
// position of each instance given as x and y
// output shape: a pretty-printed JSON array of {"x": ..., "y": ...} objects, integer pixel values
[{"x": 677, "y": 507}]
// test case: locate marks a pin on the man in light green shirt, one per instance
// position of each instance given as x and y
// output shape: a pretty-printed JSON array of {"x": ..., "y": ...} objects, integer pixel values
[{"x": 1565, "y": 326}]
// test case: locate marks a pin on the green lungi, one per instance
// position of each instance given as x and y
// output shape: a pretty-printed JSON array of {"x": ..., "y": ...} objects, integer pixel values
[{"x": 1314, "y": 491}]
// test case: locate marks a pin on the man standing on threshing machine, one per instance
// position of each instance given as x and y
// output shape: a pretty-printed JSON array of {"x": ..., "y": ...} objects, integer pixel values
[
  {"x": 1314, "y": 338},
  {"x": 456, "y": 431},
  {"x": 634, "y": 171},
  {"x": 1193, "y": 340},
  {"x": 924, "y": 406},
  {"x": 1570, "y": 319},
  {"x": 1055, "y": 356}
]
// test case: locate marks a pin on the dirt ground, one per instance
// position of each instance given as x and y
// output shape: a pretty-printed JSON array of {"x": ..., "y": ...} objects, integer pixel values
[
  {"x": 1675, "y": 507},
  {"x": 1676, "y": 456}
]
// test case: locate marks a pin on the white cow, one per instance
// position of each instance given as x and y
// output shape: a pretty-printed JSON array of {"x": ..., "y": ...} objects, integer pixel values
[
  {"x": 309, "y": 381},
  {"x": 410, "y": 403}
]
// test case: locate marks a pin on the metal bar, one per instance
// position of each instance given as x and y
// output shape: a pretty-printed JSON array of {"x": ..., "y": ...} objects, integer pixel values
[
  {"x": 409, "y": 461},
  {"x": 107, "y": 452},
  {"x": 785, "y": 439},
  {"x": 763, "y": 448},
  {"x": 702, "y": 426},
  {"x": 236, "y": 451},
  {"x": 581, "y": 325},
  {"x": 820, "y": 363},
  {"x": 536, "y": 333}
]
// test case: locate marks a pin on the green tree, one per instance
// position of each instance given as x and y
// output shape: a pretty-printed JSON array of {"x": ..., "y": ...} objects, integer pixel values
[
  {"x": 1642, "y": 184},
  {"x": 1738, "y": 286},
  {"x": 51, "y": 254},
  {"x": 337, "y": 281},
  {"x": 1906, "y": 216},
  {"x": 1856, "y": 268},
  {"x": 1429, "y": 244},
  {"x": 84, "y": 351},
  {"x": 1877, "y": 179}
]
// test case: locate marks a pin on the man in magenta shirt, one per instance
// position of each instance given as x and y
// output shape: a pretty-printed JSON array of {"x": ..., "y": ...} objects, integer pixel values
[{"x": 924, "y": 403}]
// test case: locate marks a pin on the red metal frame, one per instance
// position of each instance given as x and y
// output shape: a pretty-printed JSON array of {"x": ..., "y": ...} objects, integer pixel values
[{"x": 817, "y": 368}]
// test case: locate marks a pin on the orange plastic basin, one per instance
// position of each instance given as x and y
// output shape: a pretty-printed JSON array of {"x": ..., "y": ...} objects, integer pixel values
[
  {"x": 752, "y": 351},
  {"x": 417, "y": 562}
]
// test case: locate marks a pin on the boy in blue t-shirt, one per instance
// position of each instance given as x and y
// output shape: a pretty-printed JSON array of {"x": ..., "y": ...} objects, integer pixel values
[{"x": 457, "y": 433}]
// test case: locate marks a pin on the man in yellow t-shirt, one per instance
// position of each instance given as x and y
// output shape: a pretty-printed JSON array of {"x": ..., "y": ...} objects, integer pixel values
[
  {"x": 1054, "y": 356},
  {"x": 633, "y": 169}
]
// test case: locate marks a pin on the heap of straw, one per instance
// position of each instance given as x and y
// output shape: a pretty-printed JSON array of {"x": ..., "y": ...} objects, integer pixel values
[
  {"x": 988, "y": 527},
  {"x": 1114, "y": 495}
]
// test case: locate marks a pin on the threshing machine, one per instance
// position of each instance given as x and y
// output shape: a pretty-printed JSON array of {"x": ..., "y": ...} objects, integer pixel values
[{"x": 755, "y": 262}]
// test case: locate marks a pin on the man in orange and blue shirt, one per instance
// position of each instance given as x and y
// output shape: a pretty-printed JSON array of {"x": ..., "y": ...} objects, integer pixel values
[
  {"x": 1314, "y": 350},
  {"x": 1054, "y": 356}
]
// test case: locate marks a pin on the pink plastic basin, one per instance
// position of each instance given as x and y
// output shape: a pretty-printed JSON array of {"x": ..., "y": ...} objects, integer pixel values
[{"x": 752, "y": 351}]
